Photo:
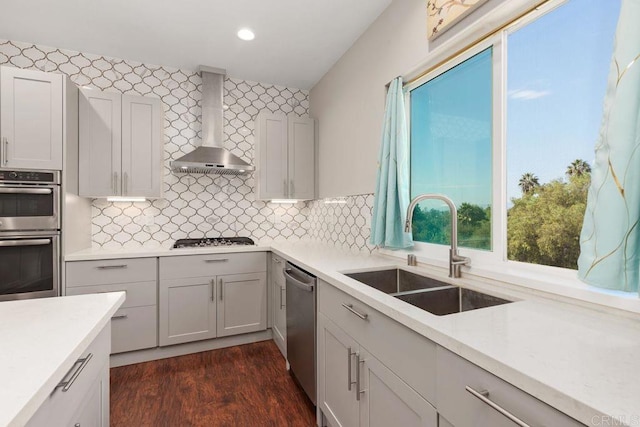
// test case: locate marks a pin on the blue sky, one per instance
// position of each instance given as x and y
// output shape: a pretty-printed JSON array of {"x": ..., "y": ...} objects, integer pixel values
[
  {"x": 557, "y": 73},
  {"x": 558, "y": 68}
]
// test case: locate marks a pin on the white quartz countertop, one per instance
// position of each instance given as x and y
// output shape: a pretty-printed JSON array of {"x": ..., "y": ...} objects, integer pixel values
[
  {"x": 40, "y": 339},
  {"x": 159, "y": 251},
  {"x": 580, "y": 361}
]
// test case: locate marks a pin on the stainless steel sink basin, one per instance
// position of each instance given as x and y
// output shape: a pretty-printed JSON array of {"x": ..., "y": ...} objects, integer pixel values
[
  {"x": 434, "y": 296},
  {"x": 395, "y": 280}
]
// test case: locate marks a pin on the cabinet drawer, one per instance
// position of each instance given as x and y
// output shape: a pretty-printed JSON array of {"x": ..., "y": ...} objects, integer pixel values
[
  {"x": 134, "y": 329},
  {"x": 180, "y": 267},
  {"x": 59, "y": 408},
  {"x": 461, "y": 408},
  {"x": 409, "y": 355},
  {"x": 106, "y": 272},
  {"x": 138, "y": 294},
  {"x": 277, "y": 270}
]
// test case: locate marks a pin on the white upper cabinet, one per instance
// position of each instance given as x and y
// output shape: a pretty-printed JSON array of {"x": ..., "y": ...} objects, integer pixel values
[
  {"x": 141, "y": 146},
  {"x": 285, "y": 156},
  {"x": 121, "y": 145},
  {"x": 31, "y": 118},
  {"x": 100, "y": 143}
]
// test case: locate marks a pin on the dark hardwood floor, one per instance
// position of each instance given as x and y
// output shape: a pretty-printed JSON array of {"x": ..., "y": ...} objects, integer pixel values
[{"x": 238, "y": 386}]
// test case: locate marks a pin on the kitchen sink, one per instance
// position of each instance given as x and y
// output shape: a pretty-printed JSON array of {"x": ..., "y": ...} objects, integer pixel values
[
  {"x": 394, "y": 280},
  {"x": 434, "y": 296}
]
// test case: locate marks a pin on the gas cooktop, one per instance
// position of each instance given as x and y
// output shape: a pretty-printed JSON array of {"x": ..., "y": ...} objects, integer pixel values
[{"x": 212, "y": 241}]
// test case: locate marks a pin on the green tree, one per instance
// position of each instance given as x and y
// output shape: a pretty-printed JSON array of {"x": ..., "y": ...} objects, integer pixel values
[
  {"x": 528, "y": 182},
  {"x": 544, "y": 226},
  {"x": 578, "y": 168}
]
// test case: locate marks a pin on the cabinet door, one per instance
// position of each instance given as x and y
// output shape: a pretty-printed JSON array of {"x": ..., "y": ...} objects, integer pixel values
[
  {"x": 94, "y": 410},
  {"x": 187, "y": 310},
  {"x": 302, "y": 166},
  {"x": 31, "y": 119},
  {"x": 387, "y": 400},
  {"x": 336, "y": 374},
  {"x": 242, "y": 303},
  {"x": 142, "y": 146},
  {"x": 271, "y": 154},
  {"x": 100, "y": 142}
]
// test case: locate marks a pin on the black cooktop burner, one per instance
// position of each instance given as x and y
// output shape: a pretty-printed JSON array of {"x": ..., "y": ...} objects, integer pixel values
[{"x": 212, "y": 241}]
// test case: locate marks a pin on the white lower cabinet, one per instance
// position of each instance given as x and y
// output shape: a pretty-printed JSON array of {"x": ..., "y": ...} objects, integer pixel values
[
  {"x": 356, "y": 389},
  {"x": 469, "y": 396},
  {"x": 187, "y": 310},
  {"x": 242, "y": 304},
  {"x": 216, "y": 304},
  {"x": 81, "y": 399},
  {"x": 135, "y": 324},
  {"x": 279, "y": 303}
]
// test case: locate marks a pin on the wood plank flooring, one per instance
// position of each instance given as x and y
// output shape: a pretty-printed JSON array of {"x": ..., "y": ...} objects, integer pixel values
[{"x": 238, "y": 386}]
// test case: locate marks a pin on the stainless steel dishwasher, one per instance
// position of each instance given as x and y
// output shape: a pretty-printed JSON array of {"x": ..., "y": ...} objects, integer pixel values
[{"x": 301, "y": 327}]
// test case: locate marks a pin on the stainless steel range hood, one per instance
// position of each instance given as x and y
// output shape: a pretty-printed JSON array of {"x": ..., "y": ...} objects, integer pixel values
[{"x": 212, "y": 157}]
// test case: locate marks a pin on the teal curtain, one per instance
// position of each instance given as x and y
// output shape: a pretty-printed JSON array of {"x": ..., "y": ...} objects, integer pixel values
[
  {"x": 392, "y": 185},
  {"x": 610, "y": 239}
]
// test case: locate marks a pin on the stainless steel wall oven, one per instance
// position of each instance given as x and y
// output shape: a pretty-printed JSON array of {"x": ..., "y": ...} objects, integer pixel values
[{"x": 29, "y": 234}]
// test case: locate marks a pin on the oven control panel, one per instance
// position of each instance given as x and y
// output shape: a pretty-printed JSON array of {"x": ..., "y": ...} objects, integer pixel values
[{"x": 27, "y": 176}]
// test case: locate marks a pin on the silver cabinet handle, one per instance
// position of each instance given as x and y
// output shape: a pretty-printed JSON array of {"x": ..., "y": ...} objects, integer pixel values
[
  {"x": 349, "y": 307},
  {"x": 484, "y": 397},
  {"x": 18, "y": 190},
  {"x": 358, "y": 362},
  {"x": 208, "y": 261},
  {"x": 5, "y": 147},
  {"x": 81, "y": 364},
  {"x": 284, "y": 189},
  {"x": 111, "y": 267},
  {"x": 125, "y": 184},
  {"x": 277, "y": 260},
  {"x": 114, "y": 184},
  {"x": 282, "y": 304},
  {"x": 291, "y": 189},
  {"x": 350, "y": 353},
  {"x": 120, "y": 316},
  {"x": 221, "y": 287},
  {"x": 25, "y": 242},
  {"x": 213, "y": 289}
]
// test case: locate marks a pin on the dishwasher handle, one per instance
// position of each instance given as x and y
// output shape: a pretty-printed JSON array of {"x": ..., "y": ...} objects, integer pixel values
[{"x": 290, "y": 279}]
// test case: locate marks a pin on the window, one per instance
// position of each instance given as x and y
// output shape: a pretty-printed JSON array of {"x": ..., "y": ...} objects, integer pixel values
[
  {"x": 557, "y": 76},
  {"x": 451, "y": 123},
  {"x": 508, "y": 130}
]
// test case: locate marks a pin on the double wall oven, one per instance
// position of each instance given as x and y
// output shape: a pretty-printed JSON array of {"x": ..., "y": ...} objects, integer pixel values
[{"x": 29, "y": 234}]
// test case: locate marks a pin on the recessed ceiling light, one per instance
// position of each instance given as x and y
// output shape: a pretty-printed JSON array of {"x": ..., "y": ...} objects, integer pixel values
[{"x": 246, "y": 34}]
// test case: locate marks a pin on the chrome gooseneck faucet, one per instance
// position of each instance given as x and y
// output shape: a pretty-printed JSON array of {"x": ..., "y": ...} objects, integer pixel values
[{"x": 455, "y": 260}]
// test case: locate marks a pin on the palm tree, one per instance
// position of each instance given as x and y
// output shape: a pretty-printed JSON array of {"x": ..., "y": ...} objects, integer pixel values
[
  {"x": 578, "y": 168},
  {"x": 528, "y": 182}
]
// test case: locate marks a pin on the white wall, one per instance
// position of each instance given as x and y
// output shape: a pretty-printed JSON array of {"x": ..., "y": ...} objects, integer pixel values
[{"x": 349, "y": 100}]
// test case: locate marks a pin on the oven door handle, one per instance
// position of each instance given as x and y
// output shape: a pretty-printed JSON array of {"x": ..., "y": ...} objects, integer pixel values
[
  {"x": 18, "y": 190},
  {"x": 25, "y": 242}
]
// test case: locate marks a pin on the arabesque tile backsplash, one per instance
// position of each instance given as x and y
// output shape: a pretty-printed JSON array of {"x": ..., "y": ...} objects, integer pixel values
[{"x": 196, "y": 205}]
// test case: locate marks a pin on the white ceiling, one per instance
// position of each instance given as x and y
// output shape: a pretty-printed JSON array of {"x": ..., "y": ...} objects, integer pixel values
[{"x": 297, "y": 41}]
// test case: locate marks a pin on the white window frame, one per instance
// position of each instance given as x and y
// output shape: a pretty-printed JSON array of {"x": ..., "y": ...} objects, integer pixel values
[{"x": 494, "y": 264}]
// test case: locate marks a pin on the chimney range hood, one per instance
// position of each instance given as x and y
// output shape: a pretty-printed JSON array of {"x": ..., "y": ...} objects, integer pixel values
[{"x": 211, "y": 156}]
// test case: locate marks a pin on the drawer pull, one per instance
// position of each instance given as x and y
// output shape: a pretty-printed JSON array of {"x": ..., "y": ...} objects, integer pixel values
[
  {"x": 282, "y": 305},
  {"x": 216, "y": 260},
  {"x": 484, "y": 397},
  {"x": 213, "y": 289},
  {"x": 120, "y": 316},
  {"x": 81, "y": 364},
  {"x": 349, "y": 307},
  {"x": 111, "y": 267},
  {"x": 221, "y": 288}
]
